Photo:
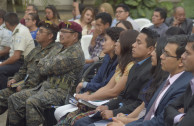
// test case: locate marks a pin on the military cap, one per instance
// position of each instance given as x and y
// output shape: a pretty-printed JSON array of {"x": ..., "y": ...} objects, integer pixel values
[{"x": 71, "y": 25}]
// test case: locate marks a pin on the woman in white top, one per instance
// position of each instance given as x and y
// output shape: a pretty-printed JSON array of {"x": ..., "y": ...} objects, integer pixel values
[{"x": 87, "y": 17}]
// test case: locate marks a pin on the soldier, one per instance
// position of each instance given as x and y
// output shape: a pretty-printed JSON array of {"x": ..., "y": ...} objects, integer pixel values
[
  {"x": 22, "y": 44},
  {"x": 46, "y": 38},
  {"x": 62, "y": 68}
]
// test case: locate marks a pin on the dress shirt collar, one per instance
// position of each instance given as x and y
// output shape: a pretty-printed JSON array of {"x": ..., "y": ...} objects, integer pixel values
[
  {"x": 192, "y": 85},
  {"x": 174, "y": 77},
  {"x": 142, "y": 61}
]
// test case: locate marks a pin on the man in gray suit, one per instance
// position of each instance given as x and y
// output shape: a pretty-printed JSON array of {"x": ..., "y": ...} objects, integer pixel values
[{"x": 180, "y": 20}]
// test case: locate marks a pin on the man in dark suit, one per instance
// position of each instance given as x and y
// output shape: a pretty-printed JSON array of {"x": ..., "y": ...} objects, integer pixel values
[
  {"x": 179, "y": 20},
  {"x": 181, "y": 111},
  {"x": 138, "y": 76}
]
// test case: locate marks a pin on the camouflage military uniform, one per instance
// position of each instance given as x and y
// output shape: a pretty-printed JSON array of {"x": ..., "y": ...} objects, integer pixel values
[
  {"x": 29, "y": 68},
  {"x": 62, "y": 67}
]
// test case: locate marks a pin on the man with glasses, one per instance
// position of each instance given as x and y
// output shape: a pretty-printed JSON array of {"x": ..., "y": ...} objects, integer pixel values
[
  {"x": 62, "y": 69},
  {"x": 171, "y": 88},
  {"x": 31, "y": 8},
  {"x": 46, "y": 38},
  {"x": 181, "y": 111},
  {"x": 122, "y": 13},
  {"x": 22, "y": 44}
]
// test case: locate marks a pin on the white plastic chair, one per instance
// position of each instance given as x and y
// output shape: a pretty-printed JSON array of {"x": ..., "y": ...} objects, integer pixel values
[
  {"x": 142, "y": 21},
  {"x": 85, "y": 42},
  {"x": 146, "y": 26}
]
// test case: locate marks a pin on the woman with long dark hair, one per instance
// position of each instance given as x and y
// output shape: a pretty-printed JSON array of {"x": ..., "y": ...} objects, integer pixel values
[{"x": 52, "y": 14}]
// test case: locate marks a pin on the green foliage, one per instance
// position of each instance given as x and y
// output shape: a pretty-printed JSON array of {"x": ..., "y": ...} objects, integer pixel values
[{"x": 140, "y": 8}]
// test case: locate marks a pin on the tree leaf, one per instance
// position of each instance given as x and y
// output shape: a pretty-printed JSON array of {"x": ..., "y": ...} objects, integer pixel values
[
  {"x": 150, "y": 3},
  {"x": 141, "y": 11},
  {"x": 132, "y": 2}
]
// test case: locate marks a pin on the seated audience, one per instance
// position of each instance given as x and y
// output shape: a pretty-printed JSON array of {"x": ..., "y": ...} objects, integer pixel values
[
  {"x": 22, "y": 44},
  {"x": 122, "y": 13},
  {"x": 29, "y": 71},
  {"x": 61, "y": 68},
  {"x": 158, "y": 19},
  {"x": 179, "y": 20},
  {"x": 85, "y": 21},
  {"x": 171, "y": 88},
  {"x": 106, "y": 7},
  {"x": 5, "y": 38},
  {"x": 124, "y": 24},
  {"x": 103, "y": 21},
  {"x": 31, "y": 8},
  {"x": 52, "y": 14},
  {"x": 117, "y": 83},
  {"x": 138, "y": 76},
  {"x": 32, "y": 21},
  {"x": 158, "y": 76},
  {"x": 77, "y": 10},
  {"x": 180, "y": 112}
]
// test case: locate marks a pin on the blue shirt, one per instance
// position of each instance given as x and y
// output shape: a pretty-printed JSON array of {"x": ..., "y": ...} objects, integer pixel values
[
  {"x": 33, "y": 34},
  {"x": 104, "y": 74}
]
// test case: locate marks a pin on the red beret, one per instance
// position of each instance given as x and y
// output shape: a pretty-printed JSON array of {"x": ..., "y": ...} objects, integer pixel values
[{"x": 71, "y": 25}]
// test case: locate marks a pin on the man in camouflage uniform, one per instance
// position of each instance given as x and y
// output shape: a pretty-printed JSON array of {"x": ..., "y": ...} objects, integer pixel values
[
  {"x": 62, "y": 68},
  {"x": 29, "y": 69}
]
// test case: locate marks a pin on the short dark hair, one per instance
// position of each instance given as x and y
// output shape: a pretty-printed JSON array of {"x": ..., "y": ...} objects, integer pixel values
[
  {"x": 173, "y": 30},
  {"x": 181, "y": 41},
  {"x": 124, "y": 6},
  {"x": 162, "y": 12},
  {"x": 2, "y": 13},
  {"x": 11, "y": 18},
  {"x": 53, "y": 28},
  {"x": 114, "y": 33},
  {"x": 151, "y": 36},
  {"x": 105, "y": 17},
  {"x": 35, "y": 16},
  {"x": 34, "y": 7},
  {"x": 191, "y": 39}
]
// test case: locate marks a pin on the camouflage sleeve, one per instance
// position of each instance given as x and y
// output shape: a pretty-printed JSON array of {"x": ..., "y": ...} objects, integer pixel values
[
  {"x": 21, "y": 73},
  {"x": 61, "y": 63}
]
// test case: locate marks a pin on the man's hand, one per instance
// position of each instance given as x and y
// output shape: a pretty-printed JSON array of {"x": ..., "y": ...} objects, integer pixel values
[
  {"x": 10, "y": 82},
  {"x": 107, "y": 114},
  {"x": 102, "y": 108},
  {"x": 176, "y": 22},
  {"x": 19, "y": 88},
  {"x": 85, "y": 97},
  {"x": 79, "y": 87},
  {"x": 181, "y": 110},
  {"x": 115, "y": 123}
]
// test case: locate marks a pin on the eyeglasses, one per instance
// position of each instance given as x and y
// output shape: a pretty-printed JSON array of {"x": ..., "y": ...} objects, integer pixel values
[
  {"x": 67, "y": 32},
  {"x": 42, "y": 31},
  {"x": 167, "y": 55},
  {"x": 28, "y": 19},
  {"x": 119, "y": 12}
]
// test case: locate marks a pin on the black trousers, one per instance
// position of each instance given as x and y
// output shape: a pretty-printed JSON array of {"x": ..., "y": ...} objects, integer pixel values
[{"x": 8, "y": 71}]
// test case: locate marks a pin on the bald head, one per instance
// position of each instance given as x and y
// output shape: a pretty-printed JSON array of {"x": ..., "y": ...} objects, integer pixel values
[{"x": 179, "y": 14}]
